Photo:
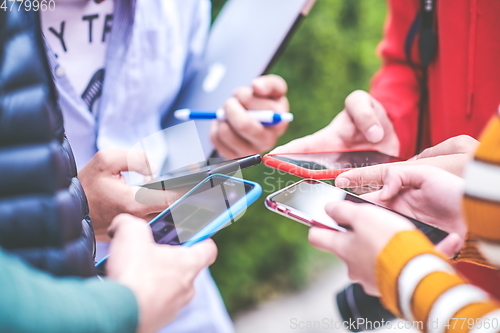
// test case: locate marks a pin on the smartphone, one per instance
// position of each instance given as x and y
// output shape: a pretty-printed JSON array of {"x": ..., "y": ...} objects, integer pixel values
[
  {"x": 326, "y": 165},
  {"x": 305, "y": 202},
  {"x": 214, "y": 203},
  {"x": 195, "y": 173}
]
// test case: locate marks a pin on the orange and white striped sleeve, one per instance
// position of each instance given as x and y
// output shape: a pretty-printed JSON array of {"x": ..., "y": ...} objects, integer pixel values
[
  {"x": 418, "y": 283},
  {"x": 481, "y": 201}
]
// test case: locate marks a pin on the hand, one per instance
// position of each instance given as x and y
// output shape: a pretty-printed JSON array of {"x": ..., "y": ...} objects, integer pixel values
[
  {"x": 363, "y": 124},
  {"x": 109, "y": 195},
  {"x": 461, "y": 144},
  {"x": 371, "y": 228},
  {"x": 240, "y": 135},
  {"x": 451, "y": 155},
  {"x": 161, "y": 276},
  {"x": 427, "y": 194}
]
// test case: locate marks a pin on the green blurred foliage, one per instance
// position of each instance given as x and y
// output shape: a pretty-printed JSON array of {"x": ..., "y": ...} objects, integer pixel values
[{"x": 331, "y": 54}]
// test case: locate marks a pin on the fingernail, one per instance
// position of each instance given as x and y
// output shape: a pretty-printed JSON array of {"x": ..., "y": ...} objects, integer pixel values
[
  {"x": 375, "y": 134},
  {"x": 342, "y": 182}
]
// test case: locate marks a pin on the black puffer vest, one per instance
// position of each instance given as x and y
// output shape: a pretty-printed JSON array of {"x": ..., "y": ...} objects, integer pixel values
[{"x": 43, "y": 209}]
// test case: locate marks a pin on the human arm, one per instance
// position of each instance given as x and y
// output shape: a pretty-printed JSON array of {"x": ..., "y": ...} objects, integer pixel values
[
  {"x": 240, "y": 135},
  {"x": 148, "y": 283},
  {"x": 33, "y": 301},
  {"x": 392, "y": 260}
]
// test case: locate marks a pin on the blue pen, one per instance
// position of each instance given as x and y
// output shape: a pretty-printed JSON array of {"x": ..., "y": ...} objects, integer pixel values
[{"x": 266, "y": 117}]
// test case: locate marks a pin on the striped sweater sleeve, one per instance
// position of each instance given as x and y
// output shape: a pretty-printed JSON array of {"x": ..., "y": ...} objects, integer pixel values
[
  {"x": 417, "y": 283},
  {"x": 481, "y": 201}
]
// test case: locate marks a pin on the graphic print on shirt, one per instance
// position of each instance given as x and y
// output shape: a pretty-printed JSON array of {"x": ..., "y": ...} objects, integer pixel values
[{"x": 78, "y": 33}]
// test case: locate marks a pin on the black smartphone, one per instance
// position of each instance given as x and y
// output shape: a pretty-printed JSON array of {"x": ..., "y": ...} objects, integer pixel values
[
  {"x": 195, "y": 173},
  {"x": 305, "y": 202}
]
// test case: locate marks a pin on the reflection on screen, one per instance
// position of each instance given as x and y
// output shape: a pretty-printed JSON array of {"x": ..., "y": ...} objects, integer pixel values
[
  {"x": 311, "y": 198},
  {"x": 188, "y": 216},
  {"x": 336, "y": 161}
]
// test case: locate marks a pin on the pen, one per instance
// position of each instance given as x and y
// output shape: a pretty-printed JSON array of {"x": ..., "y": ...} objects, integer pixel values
[{"x": 266, "y": 117}]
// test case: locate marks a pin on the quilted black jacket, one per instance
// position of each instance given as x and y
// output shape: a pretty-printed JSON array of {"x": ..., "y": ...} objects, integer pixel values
[{"x": 43, "y": 209}]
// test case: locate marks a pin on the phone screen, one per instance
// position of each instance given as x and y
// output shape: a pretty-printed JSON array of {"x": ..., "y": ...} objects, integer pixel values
[
  {"x": 311, "y": 196},
  {"x": 336, "y": 160},
  {"x": 190, "y": 215}
]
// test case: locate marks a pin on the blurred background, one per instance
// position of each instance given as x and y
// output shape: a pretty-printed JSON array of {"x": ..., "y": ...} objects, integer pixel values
[{"x": 264, "y": 256}]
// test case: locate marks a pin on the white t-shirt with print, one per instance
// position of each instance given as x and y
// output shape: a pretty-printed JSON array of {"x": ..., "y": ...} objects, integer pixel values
[{"x": 78, "y": 31}]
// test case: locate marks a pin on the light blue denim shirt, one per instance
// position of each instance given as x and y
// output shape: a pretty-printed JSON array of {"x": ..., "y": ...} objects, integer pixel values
[{"x": 154, "y": 48}]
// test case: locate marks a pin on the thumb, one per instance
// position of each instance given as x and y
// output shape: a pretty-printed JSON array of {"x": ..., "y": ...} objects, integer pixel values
[
  {"x": 329, "y": 240},
  {"x": 450, "y": 245},
  {"x": 269, "y": 86},
  {"x": 130, "y": 229},
  {"x": 342, "y": 212},
  {"x": 198, "y": 257},
  {"x": 307, "y": 144},
  {"x": 361, "y": 109},
  {"x": 206, "y": 251}
]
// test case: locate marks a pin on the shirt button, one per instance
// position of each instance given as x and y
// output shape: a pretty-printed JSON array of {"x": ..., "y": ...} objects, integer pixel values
[{"x": 60, "y": 71}]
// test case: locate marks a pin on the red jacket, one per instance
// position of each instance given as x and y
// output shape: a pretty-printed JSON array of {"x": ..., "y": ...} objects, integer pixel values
[
  {"x": 463, "y": 82},
  {"x": 463, "y": 79}
]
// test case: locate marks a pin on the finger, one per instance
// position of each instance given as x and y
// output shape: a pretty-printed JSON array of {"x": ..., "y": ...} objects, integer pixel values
[
  {"x": 361, "y": 110},
  {"x": 238, "y": 145},
  {"x": 372, "y": 176},
  {"x": 249, "y": 101},
  {"x": 462, "y": 144},
  {"x": 199, "y": 256},
  {"x": 156, "y": 199},
  {"x": 372, "y": 197},
  {"x": 221, "y": 148},
  {"x": 329, "y": 241},
  {"x": 115, "y": 161},
  {"x": 246, "y": 127},
  {"x": 271, "y": 86},
  {"x": 206, "y": 251},
  {"x": 403, "y": 176},
  {"x": 343, "y": 212},
  {"x": 130, "y": 229},
  {"x": 306, "y": 144},
  {"x": 451, "y": 245}
]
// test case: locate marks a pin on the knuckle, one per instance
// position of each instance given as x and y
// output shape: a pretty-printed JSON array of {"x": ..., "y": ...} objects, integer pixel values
[
  {"x": 242, "y": 94},
  {"x": 103, "y": 160},
  {"x": 243, "y": 126},
  {"x": 230, "y": 104}
]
